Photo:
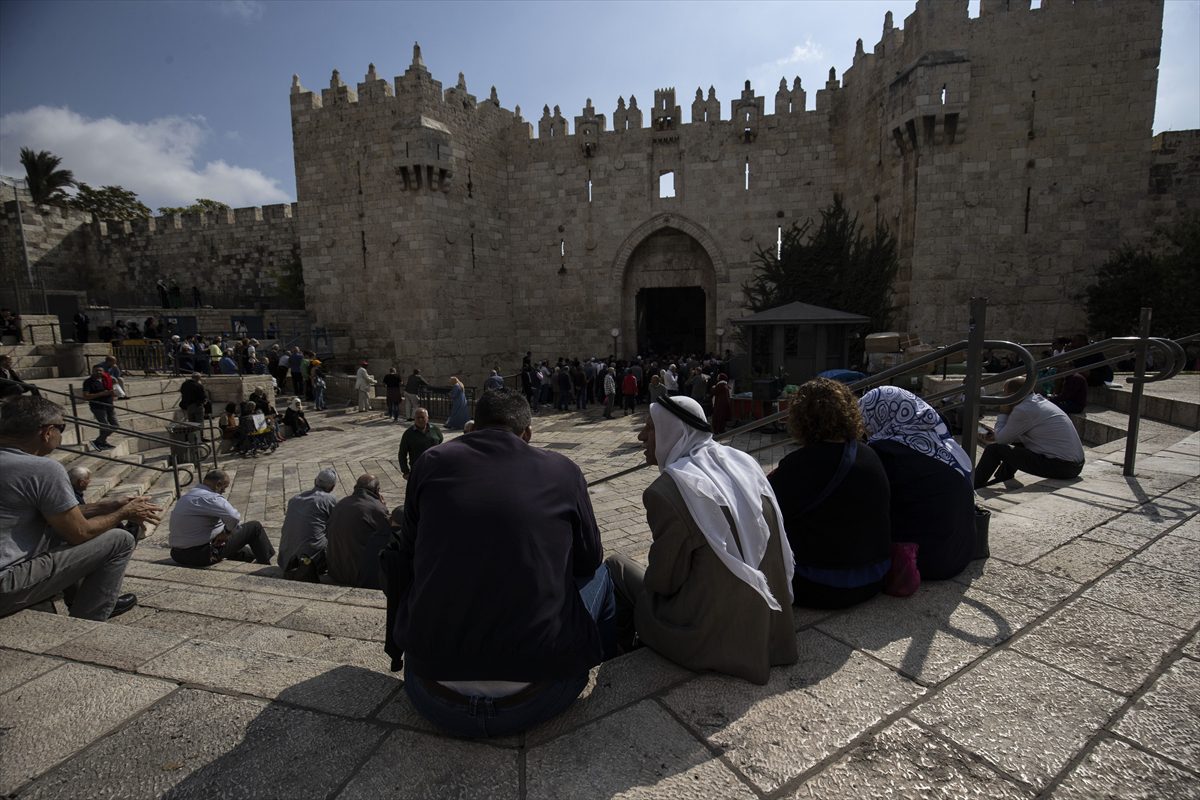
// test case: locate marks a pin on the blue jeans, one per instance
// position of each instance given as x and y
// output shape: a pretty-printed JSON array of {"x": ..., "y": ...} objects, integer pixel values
[{"x": 475, "y": 717}]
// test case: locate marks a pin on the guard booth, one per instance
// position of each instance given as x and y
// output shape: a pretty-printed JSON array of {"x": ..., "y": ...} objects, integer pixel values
[{"x": 797, "y": 341}]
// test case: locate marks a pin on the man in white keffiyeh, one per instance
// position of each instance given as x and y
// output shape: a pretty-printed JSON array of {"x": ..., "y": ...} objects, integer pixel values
[{"x": 717, "y": 591}]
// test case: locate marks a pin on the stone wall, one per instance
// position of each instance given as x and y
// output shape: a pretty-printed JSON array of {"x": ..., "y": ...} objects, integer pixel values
[{"x": 1009, "y": 154}]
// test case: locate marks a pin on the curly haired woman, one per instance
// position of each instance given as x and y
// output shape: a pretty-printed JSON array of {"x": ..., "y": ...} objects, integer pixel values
[{"x": 834, "y": 496}]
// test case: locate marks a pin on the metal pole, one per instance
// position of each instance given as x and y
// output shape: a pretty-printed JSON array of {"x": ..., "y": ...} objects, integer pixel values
[
  {"x": 75, "y": 414},
  {"x": 976, "y": 333},
  {"x": 1135, "y": 401},
  {"x": 212, "y": 442}
]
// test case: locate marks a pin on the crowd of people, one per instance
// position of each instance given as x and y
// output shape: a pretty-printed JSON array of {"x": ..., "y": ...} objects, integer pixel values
[{"x": 498, "y": 538}]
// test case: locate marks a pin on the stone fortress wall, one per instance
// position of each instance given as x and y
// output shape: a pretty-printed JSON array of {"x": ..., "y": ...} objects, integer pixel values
[
  {"x": 1009, "y": 153},
  {"x": 245, "y": 252}
]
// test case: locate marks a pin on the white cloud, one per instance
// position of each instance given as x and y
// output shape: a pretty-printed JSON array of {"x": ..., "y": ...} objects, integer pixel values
[
  {"x": 244, "y": 10},
  {"x": 156, "y": 159},
  {"x": 805, "y": 53}
]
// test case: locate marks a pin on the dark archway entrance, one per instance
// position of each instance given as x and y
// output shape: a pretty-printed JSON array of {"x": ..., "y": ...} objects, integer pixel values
[{"x": 671, "y": 321}]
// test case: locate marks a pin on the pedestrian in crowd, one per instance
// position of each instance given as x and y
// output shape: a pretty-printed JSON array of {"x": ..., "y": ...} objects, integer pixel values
[
  {"x": 629, "y": 391},
  {"x": 363, "y": 381},
  {"x": 193, "y": 398},
  {"x": 98, "y": 391},
  {"x": 395, "y": 393},
  {"x": 421, "y": 436},
  {"x": 494, "y": 381},
  {"x": 294, "y": 419},
  {"x": 296, "y": 369},
  {"x": 318, "y": 389},
  {"x": 1033, "y": 436},
  {"x": 459, "y": 412},
  {"x": 82, "y": 323},
  {"x": 412, "y": 389},
  {"x": 722, "y": 402},
  {"x": 610, "y": 391}
]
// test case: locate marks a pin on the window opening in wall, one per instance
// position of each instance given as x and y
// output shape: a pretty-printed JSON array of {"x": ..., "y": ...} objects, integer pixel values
[
  {"x": 438, "y": 150},
  {"x": 746, "y": 129},
  {"x": 1034, "y": 5},
  {"x": 666, "y": 184},
  {"x": 746, "y": 185},
  {"x": 470, "y": 185},
  {"x": 589, "y": 186},
  {"x": 778, "y": 242},
  {"x": 562, "y": 256},
  {"x": 406, "y": 149},
  {"x": 1028, "y": 194},
  {"x": 472, "y": 251},
  {"x": 943, "y": 94}
]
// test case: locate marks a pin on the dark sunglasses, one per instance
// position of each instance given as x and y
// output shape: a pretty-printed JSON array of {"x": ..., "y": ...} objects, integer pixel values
[{"x": 62, "y": 427}]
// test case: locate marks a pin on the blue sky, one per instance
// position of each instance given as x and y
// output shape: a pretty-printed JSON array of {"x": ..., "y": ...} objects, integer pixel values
[{"x": 178, "y": 99}]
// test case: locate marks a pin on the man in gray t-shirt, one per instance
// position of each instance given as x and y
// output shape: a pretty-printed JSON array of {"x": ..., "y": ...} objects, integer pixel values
[
  {"x": 49, "y": 543},
  {"x": 303, "y": 534}
]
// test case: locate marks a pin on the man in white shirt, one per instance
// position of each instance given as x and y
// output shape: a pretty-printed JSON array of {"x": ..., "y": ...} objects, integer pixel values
[
  {"x": 1033, "y": 436},
  {"x": 206, "y": 528},
  {"x": 670, "y": 380}
]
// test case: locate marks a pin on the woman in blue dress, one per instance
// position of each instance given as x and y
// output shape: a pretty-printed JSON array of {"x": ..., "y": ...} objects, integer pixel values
[{"x": 458, "y": 405}]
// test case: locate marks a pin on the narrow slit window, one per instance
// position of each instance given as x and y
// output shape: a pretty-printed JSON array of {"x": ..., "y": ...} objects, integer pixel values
[
  {"x": 472, "y": 251},
  {"x": 778, "y": 242},
  {"x": 589, "y": 186},
  {"x": 746, "y": 184},
  {"x": 943, "y": 94},
  {"x": 562, "y": 249},
  {"x": 470, "y": 184},
  {"x": 666, "y": 184}
]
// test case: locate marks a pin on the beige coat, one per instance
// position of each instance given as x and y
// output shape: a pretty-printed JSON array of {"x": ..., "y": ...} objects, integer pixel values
[{"x": 694, "y": 611}]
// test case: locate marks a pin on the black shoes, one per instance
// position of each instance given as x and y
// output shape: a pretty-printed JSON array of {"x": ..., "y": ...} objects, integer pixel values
[
  {"x": 99, "y": 445},
  {"x": 124, "y": 603}
]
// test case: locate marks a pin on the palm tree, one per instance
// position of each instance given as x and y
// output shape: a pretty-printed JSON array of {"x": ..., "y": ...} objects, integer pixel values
[{"x": 43, "y": 177}]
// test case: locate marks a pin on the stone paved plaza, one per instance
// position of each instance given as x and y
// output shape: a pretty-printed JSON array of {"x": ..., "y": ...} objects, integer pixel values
[{"x": 1066, "y": 666}]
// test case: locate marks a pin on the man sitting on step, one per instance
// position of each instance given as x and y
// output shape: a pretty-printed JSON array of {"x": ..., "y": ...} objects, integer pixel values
[
  {"x": 302, "y": 541},
  {"x": 206, "y": 528},
  {"x": 81, "y": 478},
  {"x": 48, "y": 545},
  {"x": 358, "y": 530},
  {"x": 1033, "y": 436}
]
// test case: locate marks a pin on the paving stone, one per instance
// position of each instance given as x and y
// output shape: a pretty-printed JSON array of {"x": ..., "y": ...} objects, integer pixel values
[
  {"x": 615, "y": 683},
  {"x": 194, "y": 626},
  {"x": 1057, "y": 514},
  {"x": 16, "y": 668},
  {"x": 639, "y": 752},
  {"x": 320, "y": 685},
  {"x": 297, "y": 589},
  {"x": 1027, "y": 586},
  {"x": 1130, "y": 541},
  {"x": 1168, "y": 597},
  {"x": 1193, "y": 647},
  {"x": 1189, "y": 529},
  {"x": 1019, "y": 540},
  {"x": 1116, "y": 770},
  {"x": 1111, "y": 647},
  {"x": 1082, "y": 560},
  {"x": 62, "y": 711},
  {"x": 1166, "y": 719},
  {"x": 1028, "y": 718},
  {"x": 202, "y": 745},
  {"x": 336, "y": 619},
  {"x": 142, "y": 587},
  {"x": 1174, "y": 553},
  {"x": 806, "y": 711},
  {"x": 1153, "y": 518},
  {"x": 239, "y": 606},
  {"x": 364, "y": 597},
  {"x": 906, "y": 763},
  {"x": 355, "y": 652},
  {"x": 807, "y": 617},
  {"x": 414, "y": 765},
  {"x": 274, "y": 640},
  {"x": 119, "y": 646},
  {"x": 39, "y": 631},
  {"x": 935, "y": 632}
]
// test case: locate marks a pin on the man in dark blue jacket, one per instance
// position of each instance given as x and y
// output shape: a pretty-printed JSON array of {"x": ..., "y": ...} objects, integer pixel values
[{"x": 504, "y": 601}]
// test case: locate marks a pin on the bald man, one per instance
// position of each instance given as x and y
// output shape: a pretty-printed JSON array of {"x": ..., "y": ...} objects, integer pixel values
[{"x": 357, "y": 530}]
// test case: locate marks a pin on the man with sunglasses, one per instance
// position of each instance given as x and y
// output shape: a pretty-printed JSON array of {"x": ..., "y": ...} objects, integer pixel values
[{"x": 49, "y": 543}]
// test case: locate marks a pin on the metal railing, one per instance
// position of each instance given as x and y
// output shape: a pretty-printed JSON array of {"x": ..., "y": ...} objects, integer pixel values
[
  {"x": 1169, "y": 361},
  {"x": 53, "y": 326},
  {"x": 148, "y": 357}
]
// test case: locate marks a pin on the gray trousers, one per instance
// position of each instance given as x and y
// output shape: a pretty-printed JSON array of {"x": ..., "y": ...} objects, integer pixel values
[
  {"x": 95, "y": 567},
  {"x": 412, "y": 403},
  {"x": 106, "y": 415}
]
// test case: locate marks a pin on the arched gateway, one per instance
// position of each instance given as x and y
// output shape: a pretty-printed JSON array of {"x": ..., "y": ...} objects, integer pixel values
[{"x": 668, "y": 270}]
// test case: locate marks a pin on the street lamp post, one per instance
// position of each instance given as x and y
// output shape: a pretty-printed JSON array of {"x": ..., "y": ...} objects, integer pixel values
[
  {"x": 614, "y": 333},
  {"x": 720, "y": 341}
]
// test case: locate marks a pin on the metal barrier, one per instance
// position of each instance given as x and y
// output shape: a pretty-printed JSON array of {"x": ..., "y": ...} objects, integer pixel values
[
  {"x": 148, "y": 356},
  {"x": 436, "y": 400},
  {"x": 53, "y": 326}
]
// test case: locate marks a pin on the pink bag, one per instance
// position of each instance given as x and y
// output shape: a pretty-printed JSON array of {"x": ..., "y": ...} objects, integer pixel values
[{"x": 903, "y": 578}]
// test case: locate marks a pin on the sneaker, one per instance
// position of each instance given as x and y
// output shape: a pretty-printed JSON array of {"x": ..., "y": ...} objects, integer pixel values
[{"x": 104, "y": 445}]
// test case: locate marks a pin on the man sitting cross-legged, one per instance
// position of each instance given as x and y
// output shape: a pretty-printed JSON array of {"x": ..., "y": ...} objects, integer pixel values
[
  {"x": 502, "y": 603},
  {"x": 206, "y": 529},
  {"x": 49, "y": 543}
]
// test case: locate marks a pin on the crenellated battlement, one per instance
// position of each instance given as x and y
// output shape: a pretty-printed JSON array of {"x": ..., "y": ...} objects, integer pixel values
[{"x": 269, "y": 215}]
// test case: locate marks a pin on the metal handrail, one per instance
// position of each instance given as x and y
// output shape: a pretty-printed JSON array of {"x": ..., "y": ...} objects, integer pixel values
[
  {"x": 175, "y": 467},
  {"x": 71, "y": 394},
  {"x": 202, "y": 450},
  {"x": 140, "y": 465}
]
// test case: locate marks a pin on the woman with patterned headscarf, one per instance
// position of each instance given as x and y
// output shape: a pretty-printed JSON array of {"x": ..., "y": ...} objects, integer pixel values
[
  {"x": 717, "y": 591},
  {"x": 933, "y": 503}
]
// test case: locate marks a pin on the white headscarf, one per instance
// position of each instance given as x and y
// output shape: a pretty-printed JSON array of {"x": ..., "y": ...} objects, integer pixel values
[{"x": 710, "y": 477}]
